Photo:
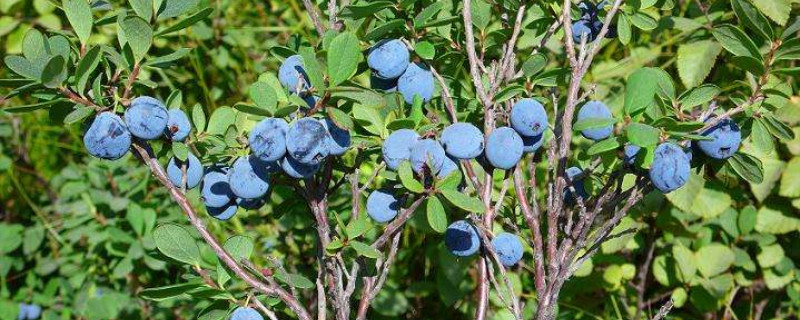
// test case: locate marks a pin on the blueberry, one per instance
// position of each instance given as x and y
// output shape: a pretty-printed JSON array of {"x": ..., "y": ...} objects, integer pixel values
[
  {"x": 462, "y": 239},
  {"x": 504, "y": 148},
  {"x": 250, "y": 204},
  {"x": 670, "y": 168},
  {"x": 383, "y": 205},
  {"x": 462, "y": 141},
  {"x": 449, "y": 166},
  {"x": 397, "y": 147},
  {"x": 249, "y": 177},
  {"x": 223, "y": 213},
  {"x": 268, "y": 139},
  {"x": 23, "y": 312},
  {"x": 107, "y": 137},
  {"x": 631, "y": 150},
  {"x": 508, "y": 248},
  {"x": 592, "y": 110},
  {"x": 194, "y": 171},
  {"x": 306, "y": 141},
  {"x": 528, "y": 118},
  {"x": 427, "y": 153},
  {"x": 726, "y": 140},
  {"x": 388, "y": 59},
  {"x": 581, "y": 29},
  {"x": 292, "y": 72},
  {"x": 245, "y": 313},
  {"x": 388, "y": 85},
  {"x": 338, "y": 138},
  {"x": 573, "y": 173},
  {"x": 146, "y": 118},
  {"x": 34, "y": 312},
  {"x": 531, "y": 144},
  {"x": 216, "y": 191},
  {"x": 178, "y": 125},
  {"x": 297, "y": 170},
  {"x": 416, "y": 80}
]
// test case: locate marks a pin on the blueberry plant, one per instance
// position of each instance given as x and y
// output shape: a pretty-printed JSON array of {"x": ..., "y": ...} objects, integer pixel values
[{"x": 485, "y": 127}]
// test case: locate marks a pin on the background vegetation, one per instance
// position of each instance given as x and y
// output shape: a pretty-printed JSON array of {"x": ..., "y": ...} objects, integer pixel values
[{"x": 77, "y": 232}]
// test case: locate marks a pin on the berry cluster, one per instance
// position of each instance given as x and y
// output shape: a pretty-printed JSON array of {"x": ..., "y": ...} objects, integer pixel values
[
  {"x": 589, "y": 24},
  {"x": 392, "y": 70}
]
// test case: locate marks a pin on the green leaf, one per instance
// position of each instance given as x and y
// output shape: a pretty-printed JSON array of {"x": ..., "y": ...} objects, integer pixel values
[
  {"x": 425, "y": 49},
  {"x": 78, "y": 114},
  {"x": 685, "y": 261},
  {"x": 534, "y": 64},
  {"x": 714, "y": 259},
  {"x": 778, "y": 128},
  {"x": 185, "y": 23},
  {"x": 22, "y": 66},
  {"x": 593, "y": 123},
  {"x": 695, "y": 61},
  {"x": 640, "y": 89},
  {"x": 313, "y": 68},
  {"x": 603, "y": 146},
  {"x": 167, "y": 60},
  {"x": 139, "y": 36},
  {"x": 643, "y": 21},
  {"x": 263, "y": 96},
  {"x": 79, "y": 14},
  {"x": 426, "y": 14},
  {"x": 752, "y": 19},
  {"x": 35, "y": 47},
  {"x": 239, "y": 247},
  {"x": 624, "y": 28},
  {"x": 747, "y": 219},
  {"x": 437, "y": 218},
  {"x": 180, "y": 150},
  {"x": 175, "y": 242},
  {"x": 198, "y": 117},
  {"x": 221, "y": 119},
  {"x": 344, "y": 54},
  {"x": 770, "y": 256},
  {"x": 86, "y": 66},
  {"x": 407, "y": 178},
  {"x": 174, "y": 8},
  {"x": 736, "y": 41},
  {"x": 642, "y": 135},
  {"x": 340, "y": 118},
  {"x": 364, "y": 249},
  {"x": 463, "y": 201},
  {"x": 143, "y": 8},
  {"x": 698, "y": 95},
  {"x": 169, "y": 292},
  {"x": 773, "y": 221},
  {"x": 508, "y": 92},
  {"x": 384, "y": 28},
  {"x": 365, "y": 9},
  {"x": 370, "y": 119},
  {"x": 777, "y": 10},
  {"x": 54, "y": 72},
  {"x": 762, "y": 139},
  {"x": 748, "y": 167},
  {"x": 31, "y": 107},
  {"x": 357, "y": 227}
]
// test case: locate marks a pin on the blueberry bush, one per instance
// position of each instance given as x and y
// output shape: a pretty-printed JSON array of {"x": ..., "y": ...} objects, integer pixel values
[{"x": 413, "y": 159}]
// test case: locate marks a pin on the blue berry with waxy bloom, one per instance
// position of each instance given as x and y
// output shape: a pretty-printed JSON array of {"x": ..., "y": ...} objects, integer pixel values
[
  {"x": 226, "y": 212},
  {"x": 338, "y": 138},
  {"x": 146, "y": 118},
  {"x": 427, "y": 153},
  {"x": 215, "y": 190},
  {"x": 531, "y": 144},
  {"x": 306, "y": 141},
  {"x": 417, "y": 80},
  {"x": 726, "y": 138},
  {"x": 449, "y": 166},
  {"x": 397, "y": 147},
  {"x": 292, "y": 74},
  {"x": 582, "y": 29},
  {"x": 108, "y": 137},
  {"x": 595, "y": 110},
  {"x": 461, "y": 239},
  {"x": 245, "y": 313},
  {"x": 462, "y": 141},
  {"x": 249, "y": 177},
  {"x": 268, "y": 139},
  {"x": 670, "y": 168},
  {"x": 383, "y": 205},
  {"x": 508, "y": 248},
  {"x": 194, "y": 171},
  {"x": 528, "y": 117},
  {"x": 631, "y": 150},
  {"x": 297, "y": 170},
  {"x": 388, "y": 59},
  {"x": 504, "y": 148},
  {"x": 178, "y": 125}
]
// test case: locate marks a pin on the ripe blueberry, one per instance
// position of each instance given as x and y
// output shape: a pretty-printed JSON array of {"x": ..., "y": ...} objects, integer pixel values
[
  {"x": 194, "y": 171},
  {"x": 631, "y": 150},
  {"x": 297, "y": 170},
  {"x": 249, "y": 177},
  {"x": 383, "y": 205},
  {"x": 508, "y": 248},
  {"x": 592, "y": 110},
  {"x": 268, "y": 139},
  {"x": 388, "y": 59},
  {"x": 397, "y": 147},
  {"x": 504, "y": 148},
  {"x": 146, "y": 118},
  {"x": 178, "y": 125},
  {"x": 462, "y": 141},
  {"x": 338, "y": 139},
  {"x": 529, "y": 118},
  {"x": 292, "y": 74},
  {"x": 461, "y": 239},
  {"x": 306, "y": 141},
  {"x": 216, "y": 191},
  {"x": 107, "y": 137},
  {"x": 427, "y": 153},
  {"x": 670, "y": 168},
  {"x": 417, "y": 80},
  {"x": 726, "y": 140}
]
